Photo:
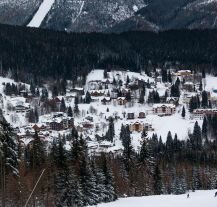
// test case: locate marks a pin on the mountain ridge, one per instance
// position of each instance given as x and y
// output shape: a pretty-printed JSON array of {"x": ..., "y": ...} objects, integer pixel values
[{"x": 113, "y": 16}]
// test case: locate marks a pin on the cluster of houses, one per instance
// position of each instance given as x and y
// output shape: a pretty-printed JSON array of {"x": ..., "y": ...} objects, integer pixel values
[
  {"x": 114, "y": 91},
  {"x": 58, "y": 121}
]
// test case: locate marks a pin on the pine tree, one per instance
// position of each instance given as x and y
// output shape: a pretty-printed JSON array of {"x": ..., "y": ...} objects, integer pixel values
[
  {"x": 87, "y": 177},
  {"x": 156, "y": 97},
  {"x": 174, "y": 91},
  {"x": 146, "y": 152},
  {"x": 157, "y": 181},
  {"x": 87, "y": 97},
  {"x": 55, "y": 92},
  {"x": 76, "y": 109},
  {"x": 62, "y": 105},
  {"x": 122, "y": 133},
  {"x": 100, "y": 183},
  {"x": 201, "y": 86},
  {"x": 209, "y": 104},
  {"x": 37, "y": 93},
  {"x": 36, "y": 115},
  {"x": 109, "y": 182},
  {"x": 128, "y": 80},
  {"x": 61, "y": 175},
  {"x": 75, "y": 193},
  {"x": 88, "y": 182},
  {"x": 31, "y": 116},
  {"x": 128, "y": 149},
  {"x": 164, "y": 76},
  {"x": 204, "y": 127},
  {"x": 194, "y": 103},
  {"x": 63, "y": 85},
  {"x": 37, "y": 153},
  {"x": 141, "y": 96},
  {"x": 44, "y": 95},
  {"x": 203, "y": 74},
  {"x": 32, "y": 89},
  {"x": 196, "y": 138},
  {"x": 204, "y": 102},
  {"x": 169, "y": 77},
  {"x": 109, "y": 136},
  {"x": 169, "y": 143},
  {"x": 8, "y": 157},
  {"x": 196, "y": 182},
  {"x": 69, "y": 112},
  {"x": 105, "y": 74},
  {"x": 183, "y": 112}
]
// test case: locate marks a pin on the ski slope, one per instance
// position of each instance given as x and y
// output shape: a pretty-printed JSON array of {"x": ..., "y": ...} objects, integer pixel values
[
  {"x": 41, "y": 13},
  {"x": 79, "y": 13},
  {"x": 197, "y": 199}
]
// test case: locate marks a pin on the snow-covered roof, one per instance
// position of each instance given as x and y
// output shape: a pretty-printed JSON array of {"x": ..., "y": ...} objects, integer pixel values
[
  {"x": 189, "y": 83},
  {"x": 184, "y": 71},
  {"x": 164, "y": 105}
]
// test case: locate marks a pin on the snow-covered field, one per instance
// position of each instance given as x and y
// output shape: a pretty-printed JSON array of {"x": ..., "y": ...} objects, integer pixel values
[
  {"x": 197, "y": 199},
  {"x": 41, "y": 13}
]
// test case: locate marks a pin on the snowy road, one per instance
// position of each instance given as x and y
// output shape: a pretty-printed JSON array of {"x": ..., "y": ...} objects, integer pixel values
[{"x": 41, "y": 13}]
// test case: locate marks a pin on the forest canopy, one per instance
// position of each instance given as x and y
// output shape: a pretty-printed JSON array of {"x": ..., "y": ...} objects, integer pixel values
[{"x": 45, "y": 53}]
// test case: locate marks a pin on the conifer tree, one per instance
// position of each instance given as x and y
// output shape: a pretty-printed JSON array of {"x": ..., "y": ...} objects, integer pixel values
[
  {"x": 109, "y": 136},
  {"x": 196, "y": 138},
  {"x": 164, "y": 75},
  {"x": 128, "y": 149},
  {"x": 69, "y": 112},
  {"x": 105, "y": 74},
  {"x": 87, "y": 97},
  {"x": 169, "y": 143},
  {"x": 201, "y": 86},
  {"x": 62, "y": 105},
  {"x": 76, "y": 109},
  {"x": 157, "y": 181},
  {"x": 109, "y": 181},
  {"x": 8, "y": 157},
  {"x": 32, "y": 89},
  {"x": 36, "y": 115},
  {"x": 169, "y": 77},
  {"x": 55, "y": 91},
  {"x": 183, "y": 112},
  {"x": 141, "y": 96},
  {"x": 128, "y": 80},
  {"x": 204, "y": 127},
  {"x": 37, "y": 152},
  {"x": 44, "y": 94},
  {"x": 61, "y": 176},
  {"x": 204, "y": 102}
]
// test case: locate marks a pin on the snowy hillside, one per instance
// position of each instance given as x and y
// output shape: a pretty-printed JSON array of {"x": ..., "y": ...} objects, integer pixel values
[
  {"x": 90, "y": 15},
  {"x": 197, "y": 199}
]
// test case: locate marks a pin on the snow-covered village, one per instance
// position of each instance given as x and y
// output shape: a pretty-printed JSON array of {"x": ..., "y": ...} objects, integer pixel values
[
  {"x": 108, "y": 101},
  {"x": 120, "y": 119}
]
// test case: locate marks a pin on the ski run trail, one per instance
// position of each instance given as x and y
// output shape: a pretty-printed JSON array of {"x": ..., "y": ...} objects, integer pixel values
[{"x": 41, "y": 13}]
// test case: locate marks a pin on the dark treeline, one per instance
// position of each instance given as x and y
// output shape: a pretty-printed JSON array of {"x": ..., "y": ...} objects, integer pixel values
[{"x": 44, "y": 53}]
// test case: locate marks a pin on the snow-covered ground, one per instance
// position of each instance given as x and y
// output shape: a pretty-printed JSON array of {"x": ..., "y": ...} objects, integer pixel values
[
  {"x": 211, "y": 82},
  {"x": 41, "y": 13},
  {"x": 197, "y": 199}
]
